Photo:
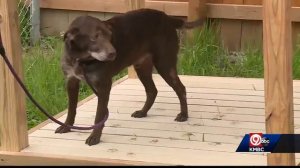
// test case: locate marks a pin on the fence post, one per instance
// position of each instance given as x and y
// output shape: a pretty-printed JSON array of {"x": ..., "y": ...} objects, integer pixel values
[
  {"x": 13, "y": 121},
  {"x": 35, "y": 21},
  {"x": 197, "y": 9},
  {"x": 133, "y": 5},
  {"x": 278, "y": 73}
]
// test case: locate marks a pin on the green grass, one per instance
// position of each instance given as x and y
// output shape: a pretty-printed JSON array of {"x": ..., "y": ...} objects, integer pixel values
[
  {"x": 296, "y": 63},
  {"x": 207, "y": 57},
  {"x": 44, "y": 79}
]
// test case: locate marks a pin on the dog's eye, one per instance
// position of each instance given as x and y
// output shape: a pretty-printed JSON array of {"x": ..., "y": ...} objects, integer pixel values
[
  {"x": 97, "y": 35},
  {"x": 95, "y": 38}
]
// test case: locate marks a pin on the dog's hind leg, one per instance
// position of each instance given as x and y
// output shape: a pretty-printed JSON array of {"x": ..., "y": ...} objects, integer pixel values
[
  {"x": 73, "y": 91},
  {"x": 144, "y": 72},
  {"x": 165, "y": 61},
  {"x": 169, "y": 74}
]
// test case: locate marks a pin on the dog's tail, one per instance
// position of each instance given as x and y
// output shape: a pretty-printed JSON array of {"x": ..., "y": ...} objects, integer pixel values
[{"x": 181, "y": 24}]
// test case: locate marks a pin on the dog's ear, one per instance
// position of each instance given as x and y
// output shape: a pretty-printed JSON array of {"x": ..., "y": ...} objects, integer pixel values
[
  {"x": 110, "y": 24},
  {"x": 70, "y": 34}
]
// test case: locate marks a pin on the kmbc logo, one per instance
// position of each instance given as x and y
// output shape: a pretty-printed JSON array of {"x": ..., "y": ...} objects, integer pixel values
[{"x": 257, "y": 142}]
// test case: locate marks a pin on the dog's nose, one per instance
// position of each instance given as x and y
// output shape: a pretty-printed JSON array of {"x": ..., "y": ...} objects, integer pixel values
[{"x": 112, "y": 56}]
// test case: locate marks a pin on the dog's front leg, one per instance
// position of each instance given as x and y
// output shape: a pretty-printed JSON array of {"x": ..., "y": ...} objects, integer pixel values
[
  {"x": 73, "y": 91},
  {"x": 103, "y": 89}
]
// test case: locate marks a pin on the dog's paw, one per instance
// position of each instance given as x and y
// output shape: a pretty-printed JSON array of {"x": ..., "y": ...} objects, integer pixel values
[
  {"x": 181, "y": 117},
  {"x": 92, "y": 140},
  {"x": 139, "y": 114},
  {"x": 62, "y": 130}
]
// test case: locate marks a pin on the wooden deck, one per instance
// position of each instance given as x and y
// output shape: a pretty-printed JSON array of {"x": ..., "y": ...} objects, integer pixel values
[{"x": 222, "y": 111}]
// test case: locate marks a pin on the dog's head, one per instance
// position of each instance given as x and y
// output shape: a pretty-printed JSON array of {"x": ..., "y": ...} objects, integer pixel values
[{"x": 89, "y": 37}]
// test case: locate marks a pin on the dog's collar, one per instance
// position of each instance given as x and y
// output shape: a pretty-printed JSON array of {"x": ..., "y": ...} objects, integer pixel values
[{"x": 86, "y": 62}]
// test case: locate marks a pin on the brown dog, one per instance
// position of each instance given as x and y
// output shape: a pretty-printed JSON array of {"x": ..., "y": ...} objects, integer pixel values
[{"x": 144, "y": 38}]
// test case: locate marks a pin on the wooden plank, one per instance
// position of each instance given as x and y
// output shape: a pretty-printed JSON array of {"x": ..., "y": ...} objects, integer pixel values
[
  {"x": 191, "y": 95},
  {"x": 138, "y": 98},
  {"x": 231, "y": 30},
  {"x": 165, "y": 100},
  {"x": 155, "y": 117},
  {"x": 238, "y": 80},
  {"x": 157, "y": 122},
  {"x": 181, "y": 8},
  {"x": 74, "y": 14},
  {"x": 13, "y": 120},
  {"x": 244, "y": 12},
  {"x": 252, "y": 35},
  {"x": 296, "y": 3},
  {"x": 49, "y": 16},
  {"x": 215, "y": 1},
  {"x": 196, "y": 10},
  {"x": 211, "y": 106},
  {"x": 220, "y": 82},
  {"x": 172, "y": 131},
  {"x": 98, "y": 15},
  {"x": 193, "y": 108},
  {"x": 192, "y": 121},
  {"x": 196, "y": 97},
  {"x": 143, "y": 141},
  {"x": 45, "y": 159},
  {"x": 203, "y": 112},
  {"x": 212, "y": 79},
  {"x": 167, "y": 156},
  {"x": 296, "y": 35},
  {"x": 253, "y": 2},
  {"x": 195, "y": 102},
  {"x": 198, "y": 108},
  {"x": 278, "y": 73},
  {"x": 196, "y": 84},
  {"x": 210, "y": 87},
  {"x": 117, "y": 6},
  {"x": 148, "y": 134},
  {"x": 133, "y": 5},
  {"x": 121, "y": 119},
  {"x": 226, "y": 91}
]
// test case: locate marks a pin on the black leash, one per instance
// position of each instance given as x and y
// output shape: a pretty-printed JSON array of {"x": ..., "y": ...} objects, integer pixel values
[{"x": 98, "y": 125}]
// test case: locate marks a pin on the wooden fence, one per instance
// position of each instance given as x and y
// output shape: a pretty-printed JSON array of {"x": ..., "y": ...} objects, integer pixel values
[{"x": 240, "y": 20}]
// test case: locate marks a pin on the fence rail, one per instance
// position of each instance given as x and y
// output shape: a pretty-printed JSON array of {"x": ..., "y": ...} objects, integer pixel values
[
  {"x": 229, "y": 9},
  {"x": 240, "y": 20}
]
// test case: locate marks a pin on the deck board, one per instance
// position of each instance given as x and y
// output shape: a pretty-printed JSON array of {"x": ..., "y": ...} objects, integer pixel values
[{"x": 221, "y": 110}]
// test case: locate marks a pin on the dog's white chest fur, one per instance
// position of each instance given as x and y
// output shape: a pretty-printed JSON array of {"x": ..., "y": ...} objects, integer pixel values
[{"x": 74, "y": 71}]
